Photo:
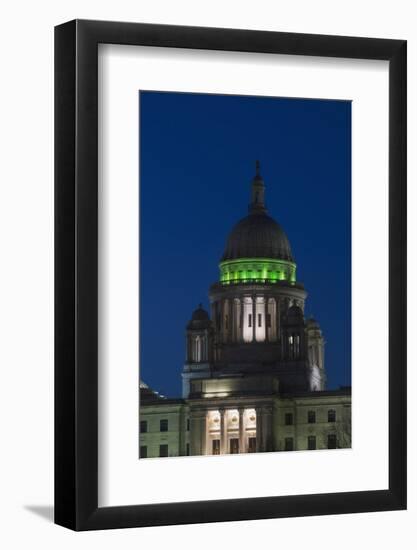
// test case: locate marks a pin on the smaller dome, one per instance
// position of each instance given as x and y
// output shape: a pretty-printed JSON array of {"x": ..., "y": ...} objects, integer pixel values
[
  {"x": 200, "y": 319},
  {"x": 200, "y": 314}
]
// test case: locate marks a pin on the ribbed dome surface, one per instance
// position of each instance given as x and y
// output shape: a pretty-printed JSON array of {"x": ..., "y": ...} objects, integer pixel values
[{"x": 257, "y": 236}]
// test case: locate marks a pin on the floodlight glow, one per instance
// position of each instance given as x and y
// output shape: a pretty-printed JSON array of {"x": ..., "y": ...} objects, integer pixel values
[{"x": 259, "y": 270}]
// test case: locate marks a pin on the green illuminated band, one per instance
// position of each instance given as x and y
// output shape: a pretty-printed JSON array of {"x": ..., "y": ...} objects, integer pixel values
[{"x": 263, "y": 270}]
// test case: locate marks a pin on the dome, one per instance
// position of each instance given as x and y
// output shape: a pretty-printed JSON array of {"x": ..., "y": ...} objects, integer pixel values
[
  {"x": 257, "y": 236},
  {"x": 313, "y": 326},
  {"x": 200, "y": 319},
  {"x": 200, "y": 314}
]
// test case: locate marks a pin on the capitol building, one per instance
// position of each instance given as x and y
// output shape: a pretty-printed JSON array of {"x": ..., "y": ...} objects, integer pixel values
[{"x": 254, "y": 377}]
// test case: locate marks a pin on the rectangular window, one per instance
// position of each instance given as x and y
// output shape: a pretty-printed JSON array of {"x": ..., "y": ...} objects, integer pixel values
[
  {"x": 143, "y": 452},
  {"x": 311, "y": 417},
  {"x": 215, "y": 447},
  {"x": 252, "y": 445},
  {"x": 331, "y": 415},
  {"x": 259, "y": 319},
  {"x": 226, "y": 322},
  {"x": 289, "y": 444},
  {"x": 163, "y": 450},
  {"x": 187, "y": 449},
  {"x": 311, "y": 442},
  {"x": 289, "y": 419},
  {"x": 188, "y": 424},
  {"x": 163, "y": 425},
  {"x": 250, "y": 320},
  {"x": 234, "y": 446},
  {"x": 331, "y": 441},
  {"x": 143, "y": 426},
  {"x": 268, "y": 320}
]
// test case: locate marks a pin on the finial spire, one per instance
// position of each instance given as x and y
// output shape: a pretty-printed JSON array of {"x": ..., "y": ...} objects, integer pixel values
[{"x": 257, "y": 206}]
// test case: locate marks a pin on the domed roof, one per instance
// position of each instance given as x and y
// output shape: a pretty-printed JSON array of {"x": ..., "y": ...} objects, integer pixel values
[
  {"x": 313, "y": 325},
  {"x": 200, "y": 319},
  {"x": 200, "y": 314},
  {"x": 257, "y": 236}
]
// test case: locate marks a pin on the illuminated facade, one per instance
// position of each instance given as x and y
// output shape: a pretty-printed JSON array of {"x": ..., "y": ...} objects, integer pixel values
[{"x": 254, "y": 377}]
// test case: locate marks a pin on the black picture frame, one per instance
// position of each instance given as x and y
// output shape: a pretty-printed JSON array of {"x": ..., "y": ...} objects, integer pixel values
[{"x": 76, "y": 272}]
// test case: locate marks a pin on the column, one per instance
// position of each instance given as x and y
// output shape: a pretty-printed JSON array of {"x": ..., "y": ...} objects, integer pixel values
[
  {"x": 253, "y": 318},
  {"x": 207, "y": 449},
  {"x": 213, "y": 311},
  {"x": 277, "y": 314},
  {"x": 223, "y": 432},
  {"x": 197, "y": 432},
  {"x": 204, "y": 430},
  {"x": 204, "y": 357},
  {"x": 295, "y": 428},
  {"x": 222, "y": 333},
  {"x": 259, "y": 448},
  {"x": 242, "y": 308},
  {"x": 221, "y": 320},
  {"x": 267, "y": 429},
  {"x": 236, "y": 320},
  {"x": 188, "y": 346},
  {"x": 228, "y": 313},
  {"x": 215, "y": 316},
  {"x": 242, "y": 445},
  {"x": 232, "y": 320},
  {"x": 266, "y": 314}
]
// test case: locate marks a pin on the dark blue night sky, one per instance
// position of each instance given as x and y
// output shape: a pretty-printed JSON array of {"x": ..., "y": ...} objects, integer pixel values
[{"x": 198, "y": 157}]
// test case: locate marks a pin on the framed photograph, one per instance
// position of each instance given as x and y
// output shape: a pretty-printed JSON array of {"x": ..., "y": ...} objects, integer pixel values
[{"x": 230, "y": 275}]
